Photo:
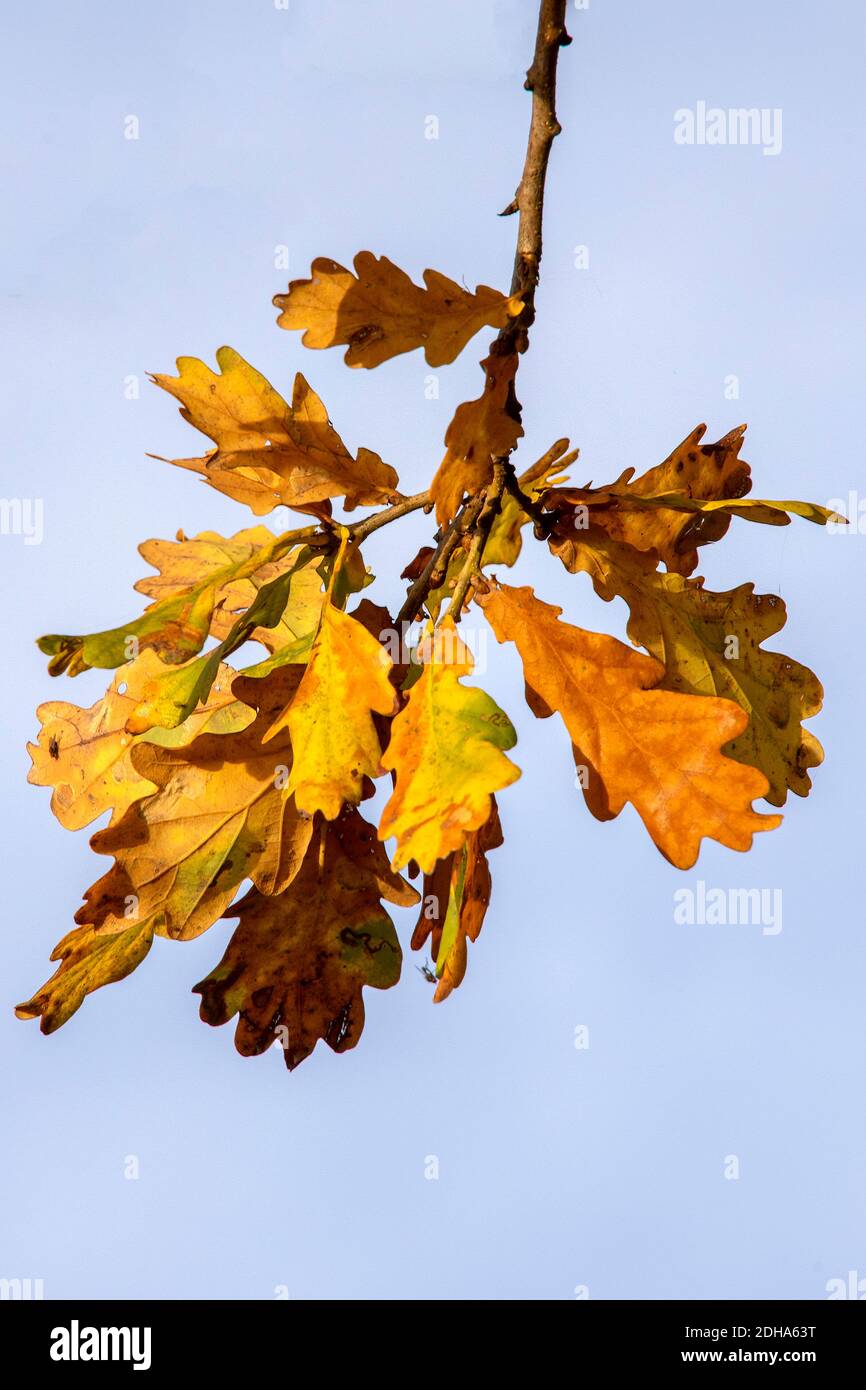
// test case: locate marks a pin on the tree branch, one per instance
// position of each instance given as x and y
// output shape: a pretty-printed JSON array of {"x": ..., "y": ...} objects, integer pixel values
[{"x": 529, "y": 198}]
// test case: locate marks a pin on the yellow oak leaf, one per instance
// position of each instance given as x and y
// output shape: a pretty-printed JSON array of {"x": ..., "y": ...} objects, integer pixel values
[
  {"x": 635, "y": 742},
  {"x": 88, "y": 959},
  {"x": 710, "y": 644},
  {"x": 480, "y": 431},
  {"x": 84, "y": 754},
  {"x": 454, "y": 901},
  {"x": 447, "y": 749},
  {"x": 296, "y": 965},
  {"x": 222, "y": 813},
  {"x": 257, "y": 433},
  {"x": 380, "y": 313},
  {"x": 330, "y": 720}
]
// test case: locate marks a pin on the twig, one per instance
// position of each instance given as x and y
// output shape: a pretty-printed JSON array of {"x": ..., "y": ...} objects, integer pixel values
[
  {"x": 543, "y": 130},
  {"x": 542, "y": 521},
  {"x": 360, "y": 530},
  {"x": 438, "y": 562},
  {"x": 489, "y": 509}
]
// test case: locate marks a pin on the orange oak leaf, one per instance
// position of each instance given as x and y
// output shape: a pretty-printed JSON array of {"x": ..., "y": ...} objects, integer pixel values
[
  {"x": 655, "y": 748},
  {"x": 480, "y": 431},
  {"x": 710, "y": 644},
  {"x": 380, "y": 313}
]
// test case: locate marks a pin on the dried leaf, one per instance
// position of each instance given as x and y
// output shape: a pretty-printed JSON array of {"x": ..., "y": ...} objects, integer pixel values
[
  {"x": 380, "y": 313},
  {"x": 454, "y": 902},
  {"x": 481, "y": 430},
  {"x": 296, "y": 965},
  {"x": 259, "y": 435}
]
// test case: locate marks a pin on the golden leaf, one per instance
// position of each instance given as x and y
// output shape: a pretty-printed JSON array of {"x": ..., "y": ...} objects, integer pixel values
[
  {"x": 89, "y": 959},
  {"x": 481, "y": 430},
  {"x": 447, "y": 750},
  {"x": 330, "y": 719},
  {"x": 258, "y": 434},
  {"x": 380, "y": 313},
  {"x": 84, "y": 754},
  {"x": 221, "y": 814}
]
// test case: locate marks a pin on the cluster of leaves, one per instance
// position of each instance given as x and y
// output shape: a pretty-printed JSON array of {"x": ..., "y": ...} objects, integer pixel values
[{"x": 215, "y": 776}]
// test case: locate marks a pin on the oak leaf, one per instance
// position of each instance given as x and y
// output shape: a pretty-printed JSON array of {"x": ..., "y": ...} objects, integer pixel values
[
  {"x": 85, "y": 754},
  {"x": 330, "y": 719},
  {"x": 480, "y": 431},
  {"x": 297, "y": 962},
  {"x": 454, "y": 901},
  {"x": 221, "y": 814},
  {"x": 447, "y": 750},
  {"x": 258, "y": 433},
  {"x": 708, "y": 471},
  {"x": 88, "y": 959},
  {"x": 655, "y": 748},
  {"x": 710, "y": 644},
  {"x": 380, "y": 313}
]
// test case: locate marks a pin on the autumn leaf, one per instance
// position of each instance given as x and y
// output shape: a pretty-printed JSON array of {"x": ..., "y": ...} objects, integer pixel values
[
  {"x": 380, "y": 313},
  {"x": 454, "y": 902},
  {"x": 88, "y": 960},
  {"x": 173, "y": 693},
  {"x": 85, "y": 754},
  {"x": 447, "y": 749},
  {"x": 707, "y": 471},
  {"x": 710, "y": 644},
  {"x": 296, "y": 965},
  {"x": 330, "y": 719},
  {"x": 655, "y": 748},
  {"x": 179, "y": 621},
  {"x": 257, "y": 487},
  {"x": 221, "y": 814},
  {"x": 187, "y": 561},
  {"x": 481, "y": 430},
  {"x": 257, "y": 433}
]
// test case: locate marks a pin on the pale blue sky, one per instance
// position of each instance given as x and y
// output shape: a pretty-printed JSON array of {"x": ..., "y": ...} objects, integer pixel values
[{"x": 558, "y": 1167}]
